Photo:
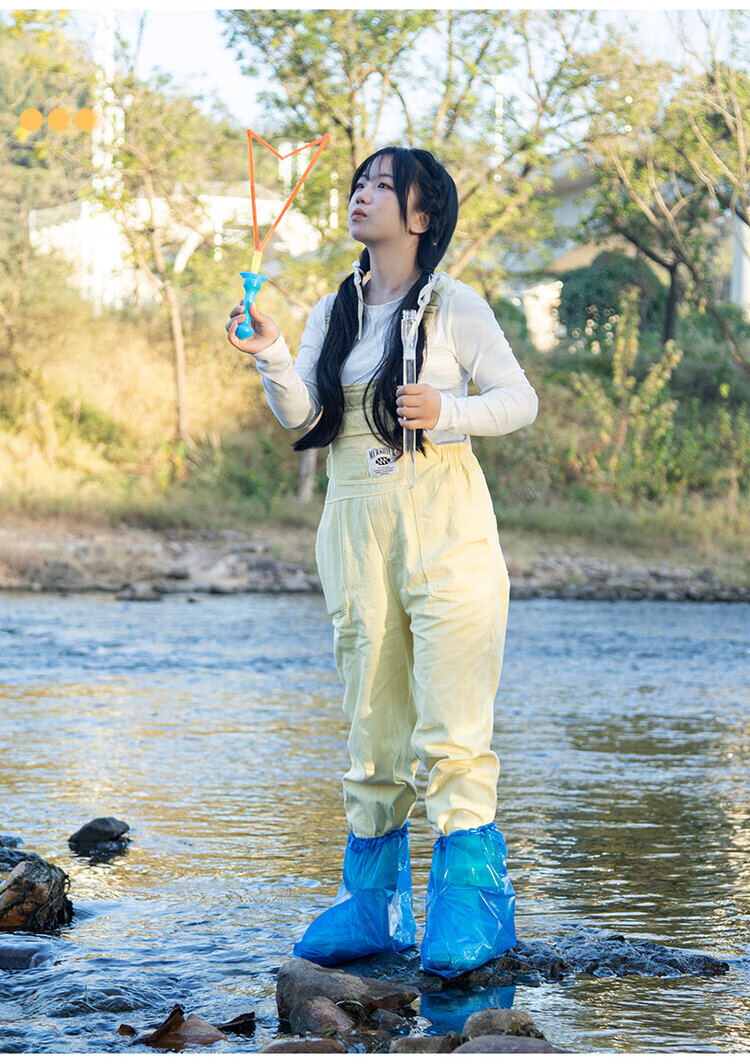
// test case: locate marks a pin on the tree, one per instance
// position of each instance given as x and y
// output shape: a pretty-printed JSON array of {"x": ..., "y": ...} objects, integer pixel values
[
  {"x": 654, "y": 129},
  {"x": 634, "y": 419},
  {"x": 714, "y": 106},
  {"x": 41, "y": 70},
  {"x": 354, "y": 72},
  {"x": 165, "y": 155}
]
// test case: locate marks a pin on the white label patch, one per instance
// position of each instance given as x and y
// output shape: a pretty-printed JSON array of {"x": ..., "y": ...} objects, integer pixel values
[{"x": 382, "y": 460}]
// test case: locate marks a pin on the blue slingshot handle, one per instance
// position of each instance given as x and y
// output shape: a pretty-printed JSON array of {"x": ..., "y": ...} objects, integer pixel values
[{"x": 252, "y": 283}]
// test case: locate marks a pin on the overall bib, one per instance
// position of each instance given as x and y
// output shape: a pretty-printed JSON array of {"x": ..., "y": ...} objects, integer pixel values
[{"x": 417, "y": 589}]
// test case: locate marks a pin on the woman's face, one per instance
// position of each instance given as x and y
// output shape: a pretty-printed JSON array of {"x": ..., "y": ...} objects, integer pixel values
[{"x": 374, "y": 215}]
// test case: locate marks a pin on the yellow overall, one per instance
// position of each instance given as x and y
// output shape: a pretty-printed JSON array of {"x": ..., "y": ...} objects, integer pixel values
[{"x": 417, "y": 589}]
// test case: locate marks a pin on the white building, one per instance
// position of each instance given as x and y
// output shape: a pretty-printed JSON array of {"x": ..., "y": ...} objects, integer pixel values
[
  {"x": 540, "y": 300},
  {"x": 97, "y": 248}
]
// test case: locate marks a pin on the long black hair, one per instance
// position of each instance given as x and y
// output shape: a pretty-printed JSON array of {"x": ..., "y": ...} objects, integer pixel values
[{"x": 436, "y": 194}]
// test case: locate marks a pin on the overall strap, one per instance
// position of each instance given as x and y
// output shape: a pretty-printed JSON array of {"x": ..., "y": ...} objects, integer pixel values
[{"x": 436, "y": 296}]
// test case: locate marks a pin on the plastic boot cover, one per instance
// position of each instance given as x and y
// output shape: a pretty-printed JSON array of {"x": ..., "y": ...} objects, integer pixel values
[
  {"x": 470, "y": 902},
  {"x": 372, "y": 912}
]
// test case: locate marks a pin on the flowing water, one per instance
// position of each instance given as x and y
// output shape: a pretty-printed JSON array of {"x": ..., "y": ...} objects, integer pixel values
[{"x": 214, "y": 730}]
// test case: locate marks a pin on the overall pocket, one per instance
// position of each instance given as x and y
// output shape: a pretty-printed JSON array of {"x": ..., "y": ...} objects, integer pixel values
[{"x": 330, "y": 561}]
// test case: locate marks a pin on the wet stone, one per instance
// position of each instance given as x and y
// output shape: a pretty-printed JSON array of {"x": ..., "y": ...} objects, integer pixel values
[
  {"x": 405, "y": 967},
  {"x": 389, "y": 1021},
  {"x": 447, "y": 1043},
  {"x": 506, "y": 1043},
  {"x": 243, "y": 1024},
  {"x": 19, "y": 956},
  {"x": 10, "y": 858},
  {"x": 596, "y": 953},
  {"x": 34, "y": 897},
  {"x": 98, "y": 833},
  {"x": 319, "y": 1015},
  {"x": 179, "y": 1031},
  {"x": 304, "y": 1045},
  {"x": 501, "y": 1021},
  {"x": 299, "y": 981},
  {"x": 141, "y": 591},
  {"x": 585, "y": 950}
]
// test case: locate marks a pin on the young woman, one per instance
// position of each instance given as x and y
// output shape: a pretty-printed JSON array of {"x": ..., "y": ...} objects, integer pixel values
[{"x": 414, "y": 579}]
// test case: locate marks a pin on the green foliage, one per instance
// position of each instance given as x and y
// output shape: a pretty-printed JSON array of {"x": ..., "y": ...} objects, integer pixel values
[
  {"x": 265, "y": 474},
  {"x": 592, "y": 293},
  {"x": 669, "y": 142},
  {"x": 362, "y": 76},
  {"x": 89, "y": 422},
  {"x": 711, "y": 451},
  {"x": 706, "y": 326},
  {"x": 705, "y": 370},
  {"x": 631, "y": 453}
]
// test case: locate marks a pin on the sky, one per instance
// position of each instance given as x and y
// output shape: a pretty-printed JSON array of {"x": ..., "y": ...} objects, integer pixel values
[{"x": 187, "y": 43}]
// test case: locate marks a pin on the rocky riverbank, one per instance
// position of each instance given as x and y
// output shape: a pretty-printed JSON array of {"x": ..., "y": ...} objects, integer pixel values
[
  {"x": 148, "y": 564},
  {"x": 365, "y": 1005}
]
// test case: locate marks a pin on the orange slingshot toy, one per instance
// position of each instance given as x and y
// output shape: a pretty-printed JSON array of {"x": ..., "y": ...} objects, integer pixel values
[{"x": 253, "y": 279}]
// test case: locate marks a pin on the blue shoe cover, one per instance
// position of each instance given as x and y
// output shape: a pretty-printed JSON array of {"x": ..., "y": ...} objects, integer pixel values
[
  {"x": 470, "y": 902},
  {"x": 372, "y": 912}
]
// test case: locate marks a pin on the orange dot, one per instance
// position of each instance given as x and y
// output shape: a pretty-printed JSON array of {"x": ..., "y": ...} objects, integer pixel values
[
  {"x": 31, "y": 119},
  {"x": 58, "y": 119},
  {"x": 85, "y": 119}
]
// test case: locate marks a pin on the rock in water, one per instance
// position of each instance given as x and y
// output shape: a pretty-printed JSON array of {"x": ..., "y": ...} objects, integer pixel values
[
  {"x": 179, "y": 1031},
  {"x": 302, "y": 1045},
  {"x": 501, "y": 1021},
  {"x": 98, "y": 833},
  {"x": 447, "y": 1043},
  {"x": 506, "y": 1043},
  {"x": 318, "y": 1015},
  {"x": 10, "y": 858},
  {"x": 140, "y": 591},
  {"x": 243, "y": 1024},
  {"x": 34, "y": 897},
  {"x": 597, "y": 953},
  {"x": 308, "y": 995},
  {"x": 15, "y": 956}
]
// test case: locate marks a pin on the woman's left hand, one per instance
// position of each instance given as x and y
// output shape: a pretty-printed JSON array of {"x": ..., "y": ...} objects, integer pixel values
[{"x": 418, "y": 406}]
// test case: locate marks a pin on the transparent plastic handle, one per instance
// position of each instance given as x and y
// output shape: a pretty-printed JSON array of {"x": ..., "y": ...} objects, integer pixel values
[{"x": 409, "y": 341}]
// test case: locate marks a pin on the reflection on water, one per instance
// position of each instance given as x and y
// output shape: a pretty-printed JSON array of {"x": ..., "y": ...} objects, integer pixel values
[
  {"x": 449, "y": 1012},
  {"x": 214, "y": 730}
]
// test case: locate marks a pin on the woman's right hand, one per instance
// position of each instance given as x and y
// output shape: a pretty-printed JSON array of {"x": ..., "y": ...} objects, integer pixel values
[{"x": 266, "y": 330}]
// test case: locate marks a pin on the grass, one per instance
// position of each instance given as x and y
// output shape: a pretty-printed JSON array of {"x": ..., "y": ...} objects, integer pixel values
[{"x": 692, "y": 532}]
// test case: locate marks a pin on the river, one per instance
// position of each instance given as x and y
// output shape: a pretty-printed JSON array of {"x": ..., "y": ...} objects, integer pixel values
[{"x": 214, "y": 729}]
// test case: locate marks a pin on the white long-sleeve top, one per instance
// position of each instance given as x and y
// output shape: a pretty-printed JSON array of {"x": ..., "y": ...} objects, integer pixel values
[{"x": 464, "y": 341}]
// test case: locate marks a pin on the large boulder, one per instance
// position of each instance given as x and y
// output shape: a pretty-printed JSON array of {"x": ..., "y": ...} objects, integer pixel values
[
  {"x": 34, "y": 897},
  {"x": 302, "y": 987}
]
